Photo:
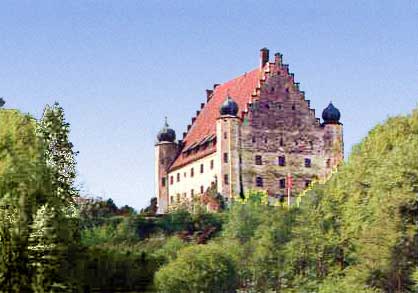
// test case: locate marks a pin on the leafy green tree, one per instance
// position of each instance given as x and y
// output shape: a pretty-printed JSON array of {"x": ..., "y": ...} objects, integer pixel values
[
  {"x": 46, "y": 252},
  {"x": 198, "y": 268},
  {"x": 24, "y": 183},
  {"x": 59, "y": 153}
]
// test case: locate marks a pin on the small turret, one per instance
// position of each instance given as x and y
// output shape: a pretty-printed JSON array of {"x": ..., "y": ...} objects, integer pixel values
[
  {"x": 331, "y": 115},
  {"x": 166, "y": 134},
  {"x": 229, "y": 107}
]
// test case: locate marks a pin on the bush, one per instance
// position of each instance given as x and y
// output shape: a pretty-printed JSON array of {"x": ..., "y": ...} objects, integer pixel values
[{"x": 198, "y": 269}]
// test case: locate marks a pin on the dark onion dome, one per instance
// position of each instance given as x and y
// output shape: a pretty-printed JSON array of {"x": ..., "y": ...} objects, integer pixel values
[
  {"x": 166, "y": 134},
  {"x": 331, "y": 115},
  {"x": 229, "y": 107}
]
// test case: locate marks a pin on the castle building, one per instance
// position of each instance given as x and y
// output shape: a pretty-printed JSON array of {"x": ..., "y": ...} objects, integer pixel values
[{"x": 256, "y": 131}]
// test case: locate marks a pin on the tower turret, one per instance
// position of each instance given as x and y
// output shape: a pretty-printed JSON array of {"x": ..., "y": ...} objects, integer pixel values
[
  {"x": 166, "y": 150},
  {"x": 333, "y": 137},
  {"x": 228, "y": 141}
]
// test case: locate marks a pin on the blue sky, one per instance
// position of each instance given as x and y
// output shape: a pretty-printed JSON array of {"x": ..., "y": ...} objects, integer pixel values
[{"x": 118, "y": 67}]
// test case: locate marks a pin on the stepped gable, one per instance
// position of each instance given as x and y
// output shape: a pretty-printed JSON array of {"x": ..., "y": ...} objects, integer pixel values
[{"x": 204, "y": 125}]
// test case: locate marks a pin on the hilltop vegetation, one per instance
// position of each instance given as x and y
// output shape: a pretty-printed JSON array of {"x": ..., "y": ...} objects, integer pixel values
[{"x": 357, "y": 232}]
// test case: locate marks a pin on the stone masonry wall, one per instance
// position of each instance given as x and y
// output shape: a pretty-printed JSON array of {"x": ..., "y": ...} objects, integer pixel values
[{"x": 280, "y": 122}]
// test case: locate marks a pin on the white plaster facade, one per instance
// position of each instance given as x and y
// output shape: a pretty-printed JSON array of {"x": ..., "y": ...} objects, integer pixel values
[{"x": 181, "y": 183}]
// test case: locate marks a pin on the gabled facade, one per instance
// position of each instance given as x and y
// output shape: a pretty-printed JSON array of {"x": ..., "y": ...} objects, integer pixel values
[{"x": 256, "y": 131}]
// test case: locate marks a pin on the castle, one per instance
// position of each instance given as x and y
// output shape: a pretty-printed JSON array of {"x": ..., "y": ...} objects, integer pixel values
[{"x": 256, "y": 131}]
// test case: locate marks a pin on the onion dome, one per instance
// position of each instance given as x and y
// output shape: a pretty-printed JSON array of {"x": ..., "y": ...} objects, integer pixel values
[
  {"x": 166, "y": 133},
  {"x": 229, "y": 107},
  {"x": 331, "y": 115}
]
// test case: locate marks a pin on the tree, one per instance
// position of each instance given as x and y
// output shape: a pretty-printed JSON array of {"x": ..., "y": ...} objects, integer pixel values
[
  {"x": 24, "y": 183},
  {"x": 198, "y": 268},
  {"x": 59, "y": 153}
]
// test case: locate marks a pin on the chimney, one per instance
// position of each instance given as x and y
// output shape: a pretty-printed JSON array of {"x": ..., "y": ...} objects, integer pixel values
[
  {"x": 215, "y": 85},
  {"x": 202, "y": 105},
  {"x": 264, "y": 57},
  {"x": 197, "y": 113},
  {"x": 184, "y": 134}
]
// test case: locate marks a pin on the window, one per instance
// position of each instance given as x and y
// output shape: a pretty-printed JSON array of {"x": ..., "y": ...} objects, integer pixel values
[
  {"x": 307, "y": 162},
  {"x": 282, "y": 183},
  {"x": 258, "y": 160},
  {"x": 163, "y": 182},
  {"x": 202, "y": 189},
  {"x": 171, "y": 199},
  {"x": 171, "y": 180},
  {"x": 307, "y": 182},
  {"x": 225, "y": 135},
  {"x": 293, "y": 107},
  {"x": 253, "y": 139},
  {"x": 282, "y": 161},
  {"x": 226, "y": 179},
  {"x": 162, "y": 162},
  {"x": 178, "y": 197},
  {"x": 191, "y": 172},
  {"x": 202, "y": 168},
  {"x": 211, "y": 164},
  {"x": 329, "y": 163},
  {"x": 192, "y": 193},
  {"x": 281, "y": 142},
  {"x": 184, "y": 174},
  {"x": 265, "y": 140},
  {"x": 178, "y": 177},
  {"x": 259, "y": 181},
  {"x": 225, "y": 157}
]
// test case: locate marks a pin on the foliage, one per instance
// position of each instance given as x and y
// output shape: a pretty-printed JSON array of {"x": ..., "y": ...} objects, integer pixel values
[{"x": 198, "y": 269}]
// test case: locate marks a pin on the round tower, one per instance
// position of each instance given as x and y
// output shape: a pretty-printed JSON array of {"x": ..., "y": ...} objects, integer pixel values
[
  {"x": 333, "y": 137},
  {"x": 227, "y": 149},
  {"x": 166, "y": 149}
]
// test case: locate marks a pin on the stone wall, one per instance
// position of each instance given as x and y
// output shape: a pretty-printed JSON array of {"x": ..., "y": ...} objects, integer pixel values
[{"x": 280, "y": 122}]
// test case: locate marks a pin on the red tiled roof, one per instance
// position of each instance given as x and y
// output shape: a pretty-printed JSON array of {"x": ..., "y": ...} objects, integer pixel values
[{"x": 240, "y": 89}]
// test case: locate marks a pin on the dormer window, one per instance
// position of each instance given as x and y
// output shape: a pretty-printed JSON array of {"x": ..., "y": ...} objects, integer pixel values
[{"x": 307, "y": 162}]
